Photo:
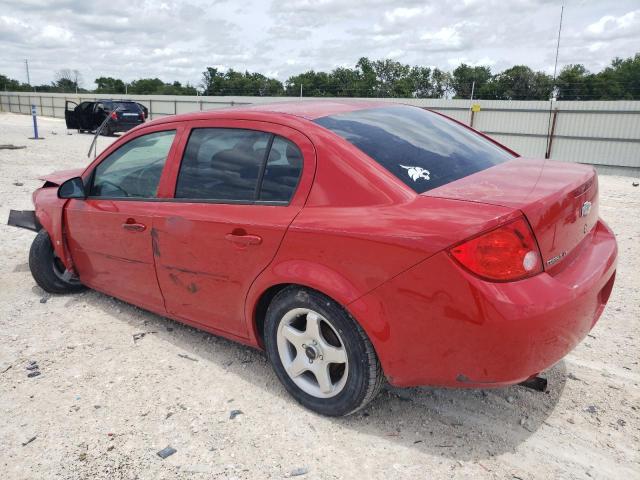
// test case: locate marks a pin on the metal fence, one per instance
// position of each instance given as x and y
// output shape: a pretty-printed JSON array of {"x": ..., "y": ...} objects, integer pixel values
[{"x": 605, "y": 134}]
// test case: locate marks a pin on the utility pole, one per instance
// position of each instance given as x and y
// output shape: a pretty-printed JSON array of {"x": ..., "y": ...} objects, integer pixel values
[
  {"x": 473, "y": 88},
  {"x": 26, "y": 64}
]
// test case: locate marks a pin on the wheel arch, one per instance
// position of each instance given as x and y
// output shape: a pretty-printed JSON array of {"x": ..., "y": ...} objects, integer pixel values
[{"x": 260, "y": 299}]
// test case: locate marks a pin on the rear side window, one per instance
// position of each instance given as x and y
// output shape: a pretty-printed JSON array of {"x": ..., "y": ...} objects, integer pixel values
[
  {"x": 421, "y": 148},
  {"x": 282, "y": 172},
  {"x": 227, "y": 164}
]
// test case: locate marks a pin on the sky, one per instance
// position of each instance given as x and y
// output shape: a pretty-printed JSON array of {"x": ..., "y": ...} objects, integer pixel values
[{"x": 177, "y": 40}]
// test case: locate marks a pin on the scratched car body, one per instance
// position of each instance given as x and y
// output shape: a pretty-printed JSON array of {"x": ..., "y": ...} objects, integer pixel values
[{"x": 355, "y": 242}]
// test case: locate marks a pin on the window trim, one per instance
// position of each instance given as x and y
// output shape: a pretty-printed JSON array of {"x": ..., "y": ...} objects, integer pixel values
[
  {"x": 263, "y": 167},
  {"x": 89, "y": 182}
]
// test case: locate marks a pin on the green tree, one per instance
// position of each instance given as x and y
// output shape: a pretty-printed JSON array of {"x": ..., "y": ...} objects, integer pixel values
[
  {"x": 109, "y": 85},
  {"x": 11, "y": 85},
  {"x": 520, "y": 83},
  {"x": 146, "y": 86},
  {"x": 463, "y": 78},
  {"x": 574, "y": 83},
  {"x": 68, "y": 81},
  {"x": 314, "y": 84}
]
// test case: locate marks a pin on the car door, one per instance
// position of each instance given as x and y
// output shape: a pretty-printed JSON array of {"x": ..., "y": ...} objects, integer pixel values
[
  {"x": 71, "y": 115},
  {"x": 109, "y": 232},
  {"x": 84, "y": 114},
  {"x": 98, "y": 115},
  {"x": 238, "y": 187}
]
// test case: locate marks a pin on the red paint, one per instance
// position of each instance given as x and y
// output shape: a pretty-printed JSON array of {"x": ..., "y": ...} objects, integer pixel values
[{"x": 356, "y": 233}]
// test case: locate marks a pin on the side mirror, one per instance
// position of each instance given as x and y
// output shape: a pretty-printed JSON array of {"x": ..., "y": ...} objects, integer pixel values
[{"x": 72, "y": 188}]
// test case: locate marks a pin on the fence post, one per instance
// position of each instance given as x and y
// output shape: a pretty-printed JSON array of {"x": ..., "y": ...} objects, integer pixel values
[
  {"x": 175, "y": 107},
  {"x": 551, "y": 133},
  {"x": 150, "y": 109}
]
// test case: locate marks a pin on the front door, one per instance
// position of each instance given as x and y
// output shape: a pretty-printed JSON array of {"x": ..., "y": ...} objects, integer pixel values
[
  {"x": 109, "y": 233},
  {"x": 237, "y": 191},
  {"x": 71, "y": 114}
]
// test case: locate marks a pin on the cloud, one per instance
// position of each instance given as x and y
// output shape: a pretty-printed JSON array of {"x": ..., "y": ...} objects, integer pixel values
[{"x": 177, "y": 40}]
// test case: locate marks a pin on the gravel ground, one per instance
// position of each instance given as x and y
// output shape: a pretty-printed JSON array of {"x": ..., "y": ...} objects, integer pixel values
[{"x": 104, "y": 404}]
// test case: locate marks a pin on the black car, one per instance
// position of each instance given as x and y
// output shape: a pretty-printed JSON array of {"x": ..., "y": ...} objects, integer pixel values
[{"x": 88, "y": 116}]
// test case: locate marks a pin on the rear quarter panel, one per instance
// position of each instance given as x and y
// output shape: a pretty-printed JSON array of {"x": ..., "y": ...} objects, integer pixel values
[{"x": 361, "y": 227}]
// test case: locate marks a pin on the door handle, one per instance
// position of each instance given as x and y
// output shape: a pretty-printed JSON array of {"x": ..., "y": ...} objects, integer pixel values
[
  {"x": 243, "y": 239},
  {"x": 132, "y": 226}
]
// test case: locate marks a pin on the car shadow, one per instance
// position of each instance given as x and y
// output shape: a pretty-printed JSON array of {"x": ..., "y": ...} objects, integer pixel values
[{"x": 461, "y": 424}]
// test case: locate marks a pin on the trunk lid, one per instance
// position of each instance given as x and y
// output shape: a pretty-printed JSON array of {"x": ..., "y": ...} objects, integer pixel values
[{"x": 560, "y": 200}]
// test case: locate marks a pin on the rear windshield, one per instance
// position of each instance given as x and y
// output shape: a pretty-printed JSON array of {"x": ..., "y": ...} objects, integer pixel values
[
  {"x": 421, "y": 148},
  {"x": 123, "y": 106}
]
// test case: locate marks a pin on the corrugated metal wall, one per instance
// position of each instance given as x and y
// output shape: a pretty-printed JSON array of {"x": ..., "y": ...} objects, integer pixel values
[{"x": 602, "y": 133}]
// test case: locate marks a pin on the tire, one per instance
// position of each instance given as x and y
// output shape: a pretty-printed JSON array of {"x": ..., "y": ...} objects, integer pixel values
[
  {"x": 306, "y": 330},
  {"x": 47, "y": 269}
]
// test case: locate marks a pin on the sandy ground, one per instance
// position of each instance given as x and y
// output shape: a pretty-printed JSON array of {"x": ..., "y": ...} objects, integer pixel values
[{"x": 104, "y": 404}]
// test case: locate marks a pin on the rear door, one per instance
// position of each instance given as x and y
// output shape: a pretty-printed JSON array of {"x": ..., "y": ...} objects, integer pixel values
[
  {"x": 109, "y": 232},
  {"x": 100, "y": 112},
  {"x": 71, "y": 114},
  {"x": 238, "y": 187},
  {"x": 84, "y": 113}
]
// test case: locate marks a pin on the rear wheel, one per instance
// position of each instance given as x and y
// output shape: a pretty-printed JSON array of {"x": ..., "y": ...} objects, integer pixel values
[
  {"x": 47, "y": 269},
  {"x": 320, "y": 354}
]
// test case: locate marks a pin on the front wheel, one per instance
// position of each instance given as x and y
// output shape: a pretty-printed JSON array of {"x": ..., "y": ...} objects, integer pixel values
[
  {"x": 320, "y": 354},
  {"x": 47, "y": 269}
]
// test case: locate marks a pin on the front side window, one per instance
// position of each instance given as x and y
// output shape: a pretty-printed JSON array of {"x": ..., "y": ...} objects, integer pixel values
[
  {"x": 421, "y": 148},
  {"x": 227, "y": 164},
  {"x": 134, "y": 169}
]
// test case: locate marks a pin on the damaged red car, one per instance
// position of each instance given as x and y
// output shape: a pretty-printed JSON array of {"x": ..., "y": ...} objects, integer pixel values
[{"x": 355, "y": 242}]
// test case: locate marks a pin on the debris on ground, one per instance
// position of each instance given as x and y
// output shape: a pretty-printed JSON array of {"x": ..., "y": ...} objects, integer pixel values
[
  {"x": 635, "y": 184},
  {"x": 18, "y": 184},
  {"x": 24, "y": 444},
  {"x": 12, "y": 147},
  {"x": 33, "y": 368},
  {"x": 235, "y": 413},
  {"x": 166, "y": 452},
  {"x": 591, "y": 409},
  {"x": 140, "y": 335},
  {"x": 299, "y": 471},
  {"x": 184, "y": 355}
]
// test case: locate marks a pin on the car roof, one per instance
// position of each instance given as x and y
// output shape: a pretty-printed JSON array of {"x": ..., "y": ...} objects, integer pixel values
[{"x": 307, "y": 109}]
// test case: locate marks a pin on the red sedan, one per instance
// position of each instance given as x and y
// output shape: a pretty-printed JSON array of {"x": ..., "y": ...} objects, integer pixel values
[{"x": 353, "y": 241}]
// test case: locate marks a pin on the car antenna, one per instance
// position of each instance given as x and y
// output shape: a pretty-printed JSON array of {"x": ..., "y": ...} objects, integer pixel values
[
  {"x": 98, "y": 131},
  {"x": 554, "y": 91}
]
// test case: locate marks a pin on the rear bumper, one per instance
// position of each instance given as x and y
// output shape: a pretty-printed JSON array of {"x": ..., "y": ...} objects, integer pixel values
[
  {"x": 125, "y": 126},
  {"x": 437, "y": 324}
]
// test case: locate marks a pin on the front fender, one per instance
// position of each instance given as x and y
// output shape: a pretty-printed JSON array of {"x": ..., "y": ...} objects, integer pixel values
[{"x": 49, "y": 212}]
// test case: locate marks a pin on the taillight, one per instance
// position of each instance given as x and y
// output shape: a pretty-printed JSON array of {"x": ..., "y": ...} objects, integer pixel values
[
  {"x": 507, "y": 253},
  {"x": 114, "y": 115},
  {"x": 141, "y": 115}
]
